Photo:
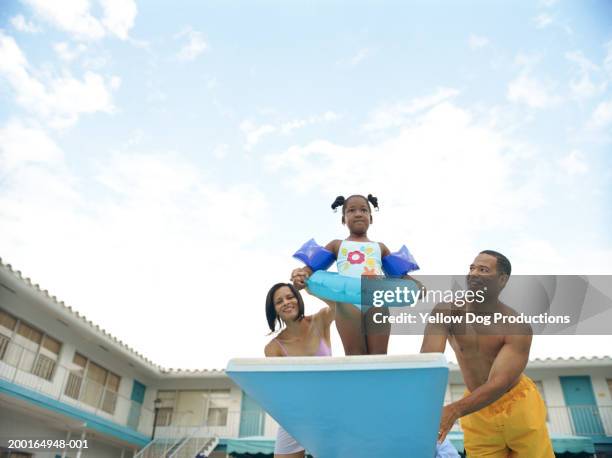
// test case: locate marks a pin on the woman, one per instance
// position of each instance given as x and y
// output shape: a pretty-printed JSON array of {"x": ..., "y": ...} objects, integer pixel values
[{"x": 303, "y": 335}]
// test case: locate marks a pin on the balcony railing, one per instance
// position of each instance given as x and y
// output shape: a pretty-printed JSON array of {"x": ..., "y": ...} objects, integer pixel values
[
  {"x": 251, "y": 423},
  {"x": 580, "y": 420},
  {"x": 45, "y": 375}
]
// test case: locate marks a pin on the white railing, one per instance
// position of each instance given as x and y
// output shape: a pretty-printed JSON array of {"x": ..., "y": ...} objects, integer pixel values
[
  {"x": 168, "y": 438},
  {"x": 44, "y": 375},
  {"x": 228, "y": 426},
  {"x": 182, "y": 438},
  {"x": 580, "y": 420},
  {"x": 192, "y": 445}
]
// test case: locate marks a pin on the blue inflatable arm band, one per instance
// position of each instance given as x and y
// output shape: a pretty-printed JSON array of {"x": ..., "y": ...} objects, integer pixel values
[
  {"x": 399, "y": 263},
  {"x": 315, "y": 256}
]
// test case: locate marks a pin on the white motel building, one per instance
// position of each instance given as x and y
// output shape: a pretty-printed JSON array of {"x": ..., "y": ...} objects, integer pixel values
[{"x": 80, "y": 392}]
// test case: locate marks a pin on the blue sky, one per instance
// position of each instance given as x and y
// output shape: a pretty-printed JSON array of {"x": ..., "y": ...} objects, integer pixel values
[{"x": 167, "y": 161}]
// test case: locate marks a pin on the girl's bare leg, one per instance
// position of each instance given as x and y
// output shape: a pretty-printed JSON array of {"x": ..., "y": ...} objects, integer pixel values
[
  {"x": 348, "y": 324},
  {"x": 377, "y": 334}
]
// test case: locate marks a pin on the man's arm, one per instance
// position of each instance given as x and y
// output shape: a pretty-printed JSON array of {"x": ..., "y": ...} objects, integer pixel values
[
  {"x": 505, "y": 371},
  {"x": 508, "y": 366},
  {"x": 436, "y": 334}
]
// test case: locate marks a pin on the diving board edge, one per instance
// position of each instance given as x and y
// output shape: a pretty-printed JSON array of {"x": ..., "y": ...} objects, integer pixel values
[{"x": 337, "y": 363}]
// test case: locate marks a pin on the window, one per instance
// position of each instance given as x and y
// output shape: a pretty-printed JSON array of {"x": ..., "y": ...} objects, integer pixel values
[
  {"x": 43, "y": 367},
  {"x": 217, "y": 408},
  {"x": 29, "y": 333},
  {"x": 92, "y": 384},
  {"x": 4, "y": 342},
  {"x": 51, "y": 345},
  {"x": 193, "y": 407},
  {"x": 164, "y": 416},
  {"x": 6, "y": 453},
  {"x": 7, "y": 321},
  {"x": 27, "y": 348},
  {"x": 217, "y": 416}
]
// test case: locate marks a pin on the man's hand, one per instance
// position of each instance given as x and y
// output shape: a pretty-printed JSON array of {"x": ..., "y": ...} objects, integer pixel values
[
  {"x": 299, "y": 277},
  {"x": 450, "y": 414}
]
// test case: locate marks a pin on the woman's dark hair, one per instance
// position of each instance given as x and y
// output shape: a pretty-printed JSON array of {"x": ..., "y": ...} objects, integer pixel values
[
  {"x": 271, "y": 315},
  {"x": 341, "y": 201}
]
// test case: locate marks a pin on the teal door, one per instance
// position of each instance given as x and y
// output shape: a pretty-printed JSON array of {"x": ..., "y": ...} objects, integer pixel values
[
  {"x": 138, "y": 392},
  {"x": 251, "y": 417},
  {"x": 580, "y": 401}
]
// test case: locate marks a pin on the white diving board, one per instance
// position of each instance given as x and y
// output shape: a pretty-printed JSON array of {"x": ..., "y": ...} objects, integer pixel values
[{"x": 351, "y": 406}]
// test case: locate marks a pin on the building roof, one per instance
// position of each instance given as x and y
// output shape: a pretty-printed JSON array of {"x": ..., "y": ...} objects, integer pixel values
[{"x": 53, "y": 301}]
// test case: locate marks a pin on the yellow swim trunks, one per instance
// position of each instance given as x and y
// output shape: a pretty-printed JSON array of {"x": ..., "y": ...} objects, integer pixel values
[{"x": 514, "y": 426}]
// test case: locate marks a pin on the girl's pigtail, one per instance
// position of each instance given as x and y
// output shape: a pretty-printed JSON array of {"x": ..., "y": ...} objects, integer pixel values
[
  {"x": 373, "y": 200},
  {"x": 337, "y": 203}
]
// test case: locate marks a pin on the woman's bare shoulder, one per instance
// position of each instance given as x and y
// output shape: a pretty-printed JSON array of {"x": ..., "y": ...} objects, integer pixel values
[{"x": 272, "y": 348}]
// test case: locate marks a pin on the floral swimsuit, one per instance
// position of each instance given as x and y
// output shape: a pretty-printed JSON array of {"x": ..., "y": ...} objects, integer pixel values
[{"x": 359, "y": 258}]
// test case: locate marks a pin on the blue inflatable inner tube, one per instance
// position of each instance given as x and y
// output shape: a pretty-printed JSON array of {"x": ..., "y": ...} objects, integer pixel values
[{"x": 340, "y": 288}]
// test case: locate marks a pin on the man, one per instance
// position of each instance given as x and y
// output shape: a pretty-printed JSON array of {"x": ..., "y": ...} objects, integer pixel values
[{"x": 502, "y": 413}]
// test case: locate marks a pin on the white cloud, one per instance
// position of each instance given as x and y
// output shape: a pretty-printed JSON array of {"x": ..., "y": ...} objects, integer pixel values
[
  {"x": 443, "y": 181},
  {"x": 543, "y": 20},
  {"x": 119, "y": 16},
  {"x": 195, "y": 45},
  {"x": 359, "y": 56},
  {"x": 68, "y": 53},
  {"x": 20, "y": 145},
  {"x": 60, "y": 100},
  {"x": 582, "y": 85},
  {"x": 602, "y": 116},
  {"x": 221, "y": 151},
  {"x": 608, "y": 59},
  {"x": 574, "y": 163},
  {"x": 362, "y": 54},
  {"x": 527, "y": 62},
  {"x": 584, "y": 64},
  {"x": 255, "y": 132},
  {"x": 20, "y": 23},
  {"x": 288, "y": 127},
  {"x": 478, "y": 41},
  {"x": 162, "y": 234},
  {"x": 398, "y": 114},
  {"x": 76, "y": 18},
  {"x": 528, "y": 90}
]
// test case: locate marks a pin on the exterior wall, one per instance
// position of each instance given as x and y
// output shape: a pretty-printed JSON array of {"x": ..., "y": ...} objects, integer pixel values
[
  {"x": 270, "y": 426},
  {"x": 189, "y": 415},
  {"x": 71, "y": 340},
  {"x": 21, "y": 425},
  {"x": 603, "y": 397}
]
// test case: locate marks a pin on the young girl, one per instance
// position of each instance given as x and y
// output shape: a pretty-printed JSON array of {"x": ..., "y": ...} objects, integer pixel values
[
  {"x": 355, "y": 256},
  {"x": 302, "y": 336}
]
